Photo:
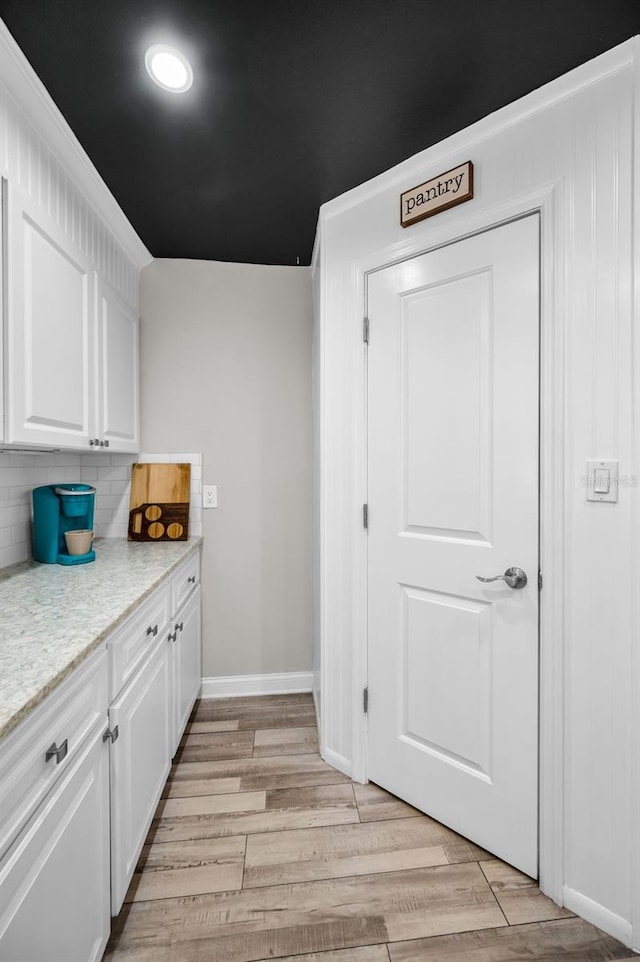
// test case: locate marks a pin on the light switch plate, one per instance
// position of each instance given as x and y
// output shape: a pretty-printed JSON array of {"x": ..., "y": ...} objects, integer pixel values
[
  {"x": 209, "y": 495},
  {"x": 602, "y": 481}
]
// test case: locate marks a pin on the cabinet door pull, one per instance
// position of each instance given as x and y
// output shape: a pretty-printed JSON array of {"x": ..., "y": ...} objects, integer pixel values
[
  {"x": 152, "y": 631},
  {"x": 191, "y": 580},
  {"x": 172, "y": 637},
  {"x": 111, "y": 734},
  {"x": 60, "y": 753},
  {"x": 179, "y": 627}
]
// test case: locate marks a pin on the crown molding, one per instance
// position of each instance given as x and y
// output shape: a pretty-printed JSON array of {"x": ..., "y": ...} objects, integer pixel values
[{"x": 22, "y": 83}]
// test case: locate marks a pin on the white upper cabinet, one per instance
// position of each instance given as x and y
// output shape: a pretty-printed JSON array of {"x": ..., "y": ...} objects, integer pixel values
[
  {"x": 50, "y": 321},
  {"x": 118, "y": 372},
  {"x": 71, "y": 343}
]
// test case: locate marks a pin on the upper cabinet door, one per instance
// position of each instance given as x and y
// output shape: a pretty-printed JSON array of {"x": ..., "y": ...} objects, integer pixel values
[
  {"x": 50, "y": 329},
  {"x": 117, "y": 359}
]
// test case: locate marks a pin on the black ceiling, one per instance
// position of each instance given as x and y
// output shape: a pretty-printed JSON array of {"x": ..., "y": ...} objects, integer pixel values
[{"x": 294, "y": 101}]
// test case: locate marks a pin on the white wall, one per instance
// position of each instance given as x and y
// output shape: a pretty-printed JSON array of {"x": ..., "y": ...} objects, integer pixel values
[
  {"x": 569, "y": 150},
  {"x": 226, "y": 368}
]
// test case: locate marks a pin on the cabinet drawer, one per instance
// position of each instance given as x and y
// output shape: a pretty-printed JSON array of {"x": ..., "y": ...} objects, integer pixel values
[
  {"x": 54, "y": 881},
  {"x": 64, "y": 719},
  {"x": 184, "y": 581},
  {"x": 134, "y": 641}
]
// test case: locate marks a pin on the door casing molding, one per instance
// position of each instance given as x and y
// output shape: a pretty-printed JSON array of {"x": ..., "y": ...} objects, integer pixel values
[{"x": 548, "y": 202}]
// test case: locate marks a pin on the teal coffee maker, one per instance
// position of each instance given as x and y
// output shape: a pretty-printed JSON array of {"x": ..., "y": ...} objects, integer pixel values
[{"x": 58, "y": 508}]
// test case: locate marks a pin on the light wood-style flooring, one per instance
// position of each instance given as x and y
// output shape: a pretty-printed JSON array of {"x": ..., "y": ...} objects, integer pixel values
[{"x": 259, "y": 851}]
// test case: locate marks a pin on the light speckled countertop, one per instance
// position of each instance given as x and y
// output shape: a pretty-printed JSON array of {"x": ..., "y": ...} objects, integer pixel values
[{"x": 53, "y": 616}]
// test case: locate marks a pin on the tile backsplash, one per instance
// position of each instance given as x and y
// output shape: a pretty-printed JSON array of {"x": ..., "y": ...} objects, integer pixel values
[{"x": 110, "y": 474}]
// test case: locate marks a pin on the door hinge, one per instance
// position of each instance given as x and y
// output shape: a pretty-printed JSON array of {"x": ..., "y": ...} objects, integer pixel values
[
  {"x": 365, "y": 330},
  {"x": 365, "y": 515},
  {"x": 111, "y": 734},
  {"x": 365, "y": 701},
  {"x": 539, "y": 581}
]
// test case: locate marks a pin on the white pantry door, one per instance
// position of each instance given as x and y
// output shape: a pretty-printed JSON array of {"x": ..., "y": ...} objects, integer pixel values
[{"x": 453, "y": 365}]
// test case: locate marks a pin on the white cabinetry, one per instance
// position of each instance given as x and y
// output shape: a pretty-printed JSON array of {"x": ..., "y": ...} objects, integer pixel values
[
  {"x": 50, "y": 322},
  {"x": 118, "y": 373},
  {"x": 57, "y": 874},
  {"x": 186, "y": 664},
  {"x": 155, "y": 679},
  {"x": 54, "y": 831},
  {"x": 71, "y": 346},
  {"x": 81, "y": 777},
  {"x": 140, "y": 762}
]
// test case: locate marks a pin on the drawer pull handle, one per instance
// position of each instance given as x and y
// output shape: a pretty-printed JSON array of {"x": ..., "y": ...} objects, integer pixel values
[
  {"x": 152, "y": 631},
  {"x": 191, "y": 580},
  {"x": 60, "y": 753},
  {"x": 179, "y": 627},
  {"x": 111, "y": 734}
]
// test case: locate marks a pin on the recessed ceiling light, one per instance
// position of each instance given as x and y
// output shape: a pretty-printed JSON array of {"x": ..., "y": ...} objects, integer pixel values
[{"x": 169, "y": 68}]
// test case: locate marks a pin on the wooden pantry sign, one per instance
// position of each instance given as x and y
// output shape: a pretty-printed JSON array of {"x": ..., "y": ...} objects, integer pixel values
[{"x": 438, "y": 194}]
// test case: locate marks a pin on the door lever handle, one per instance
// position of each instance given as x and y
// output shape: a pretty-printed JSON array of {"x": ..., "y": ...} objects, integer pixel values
[{"x": 514, "y": 577}]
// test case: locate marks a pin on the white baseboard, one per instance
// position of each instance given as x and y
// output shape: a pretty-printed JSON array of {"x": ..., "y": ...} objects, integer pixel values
[
  {"x": 337, "y": 761},
  {"x": 235, "y": 686},
  {"x": 595, "y": 913}
]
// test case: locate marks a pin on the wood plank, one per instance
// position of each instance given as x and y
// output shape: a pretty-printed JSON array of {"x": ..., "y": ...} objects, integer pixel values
[
  {"x": 251, "y": 783},
  {"x": 285, "y": 741},
  {"x": 211, "y": 805},
  {"x": 270, "y": 711},
  {"x": 285, "y": 809},
  {"x": 188, "y": 868},
  {"x": 277, "y": 942},
  {"x": 250, "y": 767},
  {"x": 252, "y": 721},
  {"x": 375, "y": 804},
  {"x": 137, "y": 953},
  {"x": 215, "y": 745},
  {"x": 141, "y": 953},
  {"x": 519, "y": 896},
  {"x": 215, "y": 826},
  {"x": 297, "y": 779},
  {"x": 232, "y": 705},
  {"x": 358, "y": 849},
  {"x": 317, "y": 797},
  {"x": 316, "y": 916},
  {"x": 572, "y": 940},
  {"x": 365, "y": 953},
  {"x": 198, "y": 728},
  {"x": 204, "y": 786}
]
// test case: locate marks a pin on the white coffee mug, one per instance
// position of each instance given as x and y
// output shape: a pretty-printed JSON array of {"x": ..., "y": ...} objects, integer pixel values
[{"x": 78, "y": 541}]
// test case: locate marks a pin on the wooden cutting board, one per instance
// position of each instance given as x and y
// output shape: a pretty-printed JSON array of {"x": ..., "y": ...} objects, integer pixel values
[{"x": 159, "y": 504}]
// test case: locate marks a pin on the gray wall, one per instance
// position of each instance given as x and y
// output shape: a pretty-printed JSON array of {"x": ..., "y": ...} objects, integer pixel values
[{"x": 226, "y": 370}]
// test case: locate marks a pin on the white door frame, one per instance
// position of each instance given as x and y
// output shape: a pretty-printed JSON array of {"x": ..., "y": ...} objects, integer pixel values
[{"x": 548, "y": 202}]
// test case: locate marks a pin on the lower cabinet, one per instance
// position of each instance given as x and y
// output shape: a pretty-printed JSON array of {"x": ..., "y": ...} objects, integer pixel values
[
  {"x": 54, "y": 880},
  {"x": 81, "y": 777},
  {"x": 140, "y": 725},
  {"x": 186, "y": 665}
]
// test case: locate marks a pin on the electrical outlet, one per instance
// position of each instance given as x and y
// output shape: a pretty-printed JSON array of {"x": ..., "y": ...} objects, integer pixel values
[{"x": 209, "y": 495}]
